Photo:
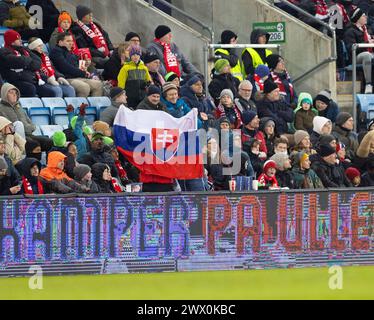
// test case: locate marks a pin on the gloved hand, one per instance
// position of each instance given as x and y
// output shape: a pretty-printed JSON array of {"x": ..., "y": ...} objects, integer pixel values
[
  {"x": 63, "y": 81},
  {"x": 52, "y": 80},
  {"x": 70, "y": 108},
  {"x": 82, "y": 109},
  {"x": 41, "y": 82},
  {"x": 101, "y": 49}
]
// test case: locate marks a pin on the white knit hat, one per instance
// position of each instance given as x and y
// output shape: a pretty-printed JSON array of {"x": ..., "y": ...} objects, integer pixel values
[
  {"x": 36, "y": 43},
  {"x": 318, "y": 123}
]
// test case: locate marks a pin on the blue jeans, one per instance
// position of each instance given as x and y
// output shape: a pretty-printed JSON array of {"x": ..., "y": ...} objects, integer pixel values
[
  {"x": 192, "y": 185},
  {"x": 47, "y": 90}
]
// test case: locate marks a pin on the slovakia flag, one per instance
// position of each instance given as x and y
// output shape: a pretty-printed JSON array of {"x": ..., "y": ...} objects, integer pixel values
[{"x": 159, "y": 144}]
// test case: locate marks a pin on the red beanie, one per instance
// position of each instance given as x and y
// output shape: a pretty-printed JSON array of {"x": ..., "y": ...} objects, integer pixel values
[
  {"x": 352, "y": 173},
  {"x": 269, "y": 164},
  {"x": 10, "y": 36}
]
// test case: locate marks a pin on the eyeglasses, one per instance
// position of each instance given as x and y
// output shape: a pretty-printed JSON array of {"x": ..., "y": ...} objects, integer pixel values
[{"x": 246, "y": 90}]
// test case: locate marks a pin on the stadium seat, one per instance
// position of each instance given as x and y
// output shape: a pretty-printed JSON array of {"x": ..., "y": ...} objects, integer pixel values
[
  {"x": 91, "y": 115},
  {"x": 366, "y": 102},
  {"x": 76, "y": 102},
  {"x": 37, "y": 131},
  {"x": 100, "y": 103},
  {"x": 28, "y": 103},
  {"x": 40, "y": 116},
  {"x": 52, "y": 103},
  {"x": 60, "y": 116},
  {"x": 49, "y": 130}
]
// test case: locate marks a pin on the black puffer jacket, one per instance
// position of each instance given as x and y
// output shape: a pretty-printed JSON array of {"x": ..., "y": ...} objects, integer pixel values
[
  {"x": 352, "y": 36},
  {"x": 93, "y": 157},
  {"x": 97, "y": 176},
  {"x": 112, "y": 67},
  {"x": 11, "y": 179},
  {"x": 220, "y": 82},
  {"x": 66, "y": 62}
]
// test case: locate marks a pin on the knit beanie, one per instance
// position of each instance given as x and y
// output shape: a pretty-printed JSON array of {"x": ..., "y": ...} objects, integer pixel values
[
  {"x": 10, "y": 36},
  {"x": 269, "y": 164},
  {"x": 30, "y": 146},
  {"x": 227, "y": 92},
  {"x": 193, "y": 80},
  {"x": 82, "y": 11},
  {"x": 220, "y": 64},
  {"x": 150, "y": 57},
  {"x": 262, "y": 71},
  {"x": 272, "y": 60},
  {"x": 248, "y": 116},
  {"x": 64, "y": 16},
  {"x": 161, "y": 31},
  {"x": 318, "y": 123},
  {"x": 269, "y": 86},
  {"x": 131, "y": 35},
  {"x": 299, "y": 135},
  {"x": 352, "y": 173},
  {"x": 36, "y": 43},
  {"x": 342, "y": 118},
  {"x": 152, "y": 89},
  {"x": 326, "y": 150},
  {"x": 59, "y": 139},
  {"x": 101, "y": 127},
  {"x": 324, "y": 96},
  {"x": 168, "y": 86},
  {"x": 170, "y": 76},
  {"x": 356, "y": 15},
  {"x": 115, "y": 92},
  {"x": 227, "y": 35},
  {"x": 135, "y": 50},
  {"x": 280, "y": 159},
  {"x": 80, "y": 171},
  {"x": 298, "y": 158},
  {"x": 306, "y": 100},
  {"x": 326, "y": 139},
  {"x": 224, "y": 120}
]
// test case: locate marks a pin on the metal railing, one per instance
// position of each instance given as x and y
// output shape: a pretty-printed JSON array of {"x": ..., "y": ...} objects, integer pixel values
[
  {"x": 231, "y": 46},
  {"x": 354, "y": 77},
  {"x": 185, "y": 14},
  {"x": 327, "y": 26}
]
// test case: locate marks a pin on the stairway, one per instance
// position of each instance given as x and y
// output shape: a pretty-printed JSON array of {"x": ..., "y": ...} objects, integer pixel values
[{"x": 344, "y": 94}]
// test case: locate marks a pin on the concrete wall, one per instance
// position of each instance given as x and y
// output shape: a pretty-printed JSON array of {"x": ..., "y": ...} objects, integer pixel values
[
  {"x": 121, "y": 16},
  {"x": 304, "y": 48}
]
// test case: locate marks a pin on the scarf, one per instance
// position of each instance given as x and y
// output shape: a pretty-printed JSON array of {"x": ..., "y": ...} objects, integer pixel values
[
  {"x": 28, "y": 188},
  {"x": 221, "y": 112},
  {"x": 121, "y": 170},
  {"x": 82, "y": 53},
  {"x": 170, "y": 60},
  {"x": 26, "y": 54},
  {"x": 259, "y": 82},
  {"x": 322, "y": 10},
  {"x": 281, "y": 85},
  {"x": 265, "y": 181},
  {"x": 96, "y": 36},
  {"x": 367, "y": 36},
  {"x": 343, "y": 12},
  {"x": 116, "y": 186},
  {"x": 47, "y": 67}
]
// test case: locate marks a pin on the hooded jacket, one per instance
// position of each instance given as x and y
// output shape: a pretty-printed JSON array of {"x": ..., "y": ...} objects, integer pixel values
[
  {"x": 11, "y": 179},
  {"x": 303, "y": 118},
  {"x": 145, "y": 104},
  {"x": 14, "y": 143},
  {"x": 37, "y": 185},
  {"x": 97, "y": 176},
  {"x": 201, "y": 103},
  {"x": 221, "y": 82},
  {"x": 112, "y": 67},
  {"x": 14, "y": 112}
]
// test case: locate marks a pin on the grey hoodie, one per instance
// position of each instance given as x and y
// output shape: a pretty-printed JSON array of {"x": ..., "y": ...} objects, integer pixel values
[{"x": 14, "y": 112}]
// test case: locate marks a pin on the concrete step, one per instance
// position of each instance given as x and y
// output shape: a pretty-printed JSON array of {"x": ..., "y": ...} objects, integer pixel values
[
  {"x": 345, "y": 87},
  {"x": 345, "y": 98}
]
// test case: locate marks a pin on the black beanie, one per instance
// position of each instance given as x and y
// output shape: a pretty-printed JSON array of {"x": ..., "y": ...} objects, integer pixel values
[
  {"x": 324, "y": 96},
  {"x": 272, "y": 61},
  {"x": 356, "y": 15},
  {"x": 82, "y": 11},
  {"x": 115, "y": 92},
  {"x": 30, "y": 146},
  {"x": 226, "y": 36},
  {"x": 326, "y": 150},
  {"x": 342, "y": 118},
  {"x": 248, "y": 116},
  {"x": 152, "y": 89},
  {"x": 269, "y": 86},
  {"x": 150, "y": 57},
  {"x": 161, "y": 31},
  {"x": 131, "y": 35}
]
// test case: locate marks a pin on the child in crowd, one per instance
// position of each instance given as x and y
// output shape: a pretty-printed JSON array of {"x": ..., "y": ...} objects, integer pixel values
[
  {"x": 305, "y": 113},
  {"x": 354, "y": 175},
  {"x": 267, "y": 180},
  {"x": 83, "y": 175}
]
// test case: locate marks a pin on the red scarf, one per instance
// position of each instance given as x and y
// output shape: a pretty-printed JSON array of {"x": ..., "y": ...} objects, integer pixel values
[
  {"x": 121, "y": 170},
  {"x": 28, "y": 189},
  {"x": 259, "y": 82},
  {"x": 281, "y": 86},
  {"x": 26, "y": 54},
  {"x": 367, "y": 37},
  {"x": 220, "y": 112},
  {"x": 265, "y": 181},
  {"x": 82, "y": 53},
  {"x": 170, "y": 60},
  {"x": 116, "y": 186},
  {"x": 47, "y": 67},
  {"x": 322, "y": 10},
  {"x": 96, "y": 36}
]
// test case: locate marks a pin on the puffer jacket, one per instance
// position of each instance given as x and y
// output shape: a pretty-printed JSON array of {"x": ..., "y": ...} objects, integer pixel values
[
  {"x": 14, "y": 143},
  {"x": 11, "y": 179},
  {"x": 348, "y": 138},
  {"x": 14, "y": 15},
  {"x": 37, "y": 185},
  {"x": 14, "y": 112},
  {"x": 221, "y": 82}
]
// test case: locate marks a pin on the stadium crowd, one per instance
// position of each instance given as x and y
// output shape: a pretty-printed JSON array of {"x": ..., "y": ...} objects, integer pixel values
[{"x": 287, "y": 139}]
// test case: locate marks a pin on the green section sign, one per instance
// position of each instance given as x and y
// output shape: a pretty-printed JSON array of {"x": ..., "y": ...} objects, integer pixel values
[{"x": 277, "y": 30}]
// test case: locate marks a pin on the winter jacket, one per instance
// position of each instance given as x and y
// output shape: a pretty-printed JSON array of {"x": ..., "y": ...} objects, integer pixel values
[
  {"x": 220, "y": 82},
  {"x": 145, "y": 104},
  {"x": 245, "y": 105},
  {"x": 14, "y": 112},
  {"x": 15, "y": 68},
  {"x": 70, "y": 162},
  {"x": 109, "y": 113},
  {"x": 269, "y": 141},
  {"x": 99, "y": 156},
  {"x": 66, "y": 63},
  {"x": 279, "y": 111},
  {"x": 10, "y": 180},
  {"x": 331, "y": 112},
  {"x": 332, "y": 176},
  {"x": 367, "y": 180},
  {"x": 286, "y": 87},
  {"x": 157, "y": 78},
  {"x": 201, "y": 103},
  {"x": 352, "y": 36},
  {"x": 77, "y": 135},
  {"x": 247, "y": 135},
  {"x": 304, "y": 118},
  {"x": 112, "y": 67},
  {"x": 97, "y": 176},
  {"x": 14, "y": 16},
  {"x": 285, "y": 179},
  {"x": 348, "y": 138},
  {"x": 37, "y": 185},
  {"x": 50, "y": 17},
  {"x": 233, "y": 114},
  {"x": 134, "y": 78},
  {"x": 185, "y": 66},
  {"x": 306, "y": 179},
  {"x": 84, "y": 41},
  {"x": 14, "y": 143}
]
